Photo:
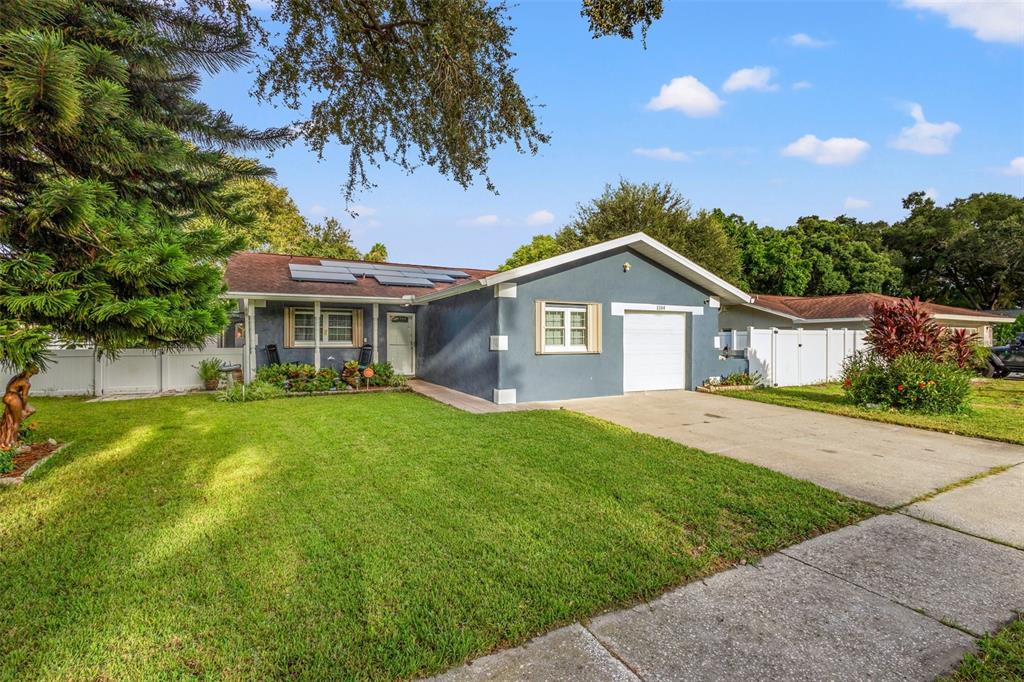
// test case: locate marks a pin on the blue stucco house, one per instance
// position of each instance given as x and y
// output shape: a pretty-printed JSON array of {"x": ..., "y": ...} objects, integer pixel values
[{"x": 628, "y": 314}]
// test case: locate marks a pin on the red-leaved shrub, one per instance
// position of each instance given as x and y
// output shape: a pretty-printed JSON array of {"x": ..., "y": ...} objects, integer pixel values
[
  {"x": 901, "y": 327},
  {"x": 960, "y": 347}
]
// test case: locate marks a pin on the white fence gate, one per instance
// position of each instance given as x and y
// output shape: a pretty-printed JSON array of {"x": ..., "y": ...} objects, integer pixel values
[
  {"x": 796, "y": 357},
  {"x": 79, "y": 372}
]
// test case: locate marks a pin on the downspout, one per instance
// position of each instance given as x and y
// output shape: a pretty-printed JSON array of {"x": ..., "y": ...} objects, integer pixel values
[
  {"x": 316, "y": 335},
  {"x": 376, "y": 338}
]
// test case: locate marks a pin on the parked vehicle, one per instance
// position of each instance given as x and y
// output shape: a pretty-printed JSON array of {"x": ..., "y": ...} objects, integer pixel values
[{"x": 1006, "y": 359}]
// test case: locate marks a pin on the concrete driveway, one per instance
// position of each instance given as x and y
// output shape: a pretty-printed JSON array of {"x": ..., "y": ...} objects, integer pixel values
[{"x": 880, "y": 463}]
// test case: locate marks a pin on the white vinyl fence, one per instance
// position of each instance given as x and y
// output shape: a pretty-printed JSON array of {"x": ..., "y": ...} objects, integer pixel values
[
  {"x": 796, "y": 357},
  {"x": 79, "y": 372}
]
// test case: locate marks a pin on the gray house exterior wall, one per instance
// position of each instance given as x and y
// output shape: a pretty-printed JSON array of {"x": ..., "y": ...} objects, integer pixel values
[
  {"x": 599, "y": 280},
  {"x": 453, "y": 342}
]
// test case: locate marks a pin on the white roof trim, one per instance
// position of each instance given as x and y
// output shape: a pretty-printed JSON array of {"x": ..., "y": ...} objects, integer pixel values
[
  {"x": 640, "y": 242},
  {"x": 316, "y": 297},
  {"x": 997, "y": 319}
]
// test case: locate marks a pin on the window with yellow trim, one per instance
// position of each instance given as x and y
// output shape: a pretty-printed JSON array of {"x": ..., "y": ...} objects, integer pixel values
[{"x": 336, "y": 328}]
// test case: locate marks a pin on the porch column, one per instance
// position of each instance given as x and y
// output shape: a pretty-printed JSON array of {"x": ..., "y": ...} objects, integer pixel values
[
  {"x": 376, "y": 337},
  {"x": 316, "y": 335},
  {"x": 247, "y": 338}
]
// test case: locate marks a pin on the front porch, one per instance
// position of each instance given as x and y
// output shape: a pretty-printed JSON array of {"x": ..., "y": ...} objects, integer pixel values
[{"x": 324, "y": 332}]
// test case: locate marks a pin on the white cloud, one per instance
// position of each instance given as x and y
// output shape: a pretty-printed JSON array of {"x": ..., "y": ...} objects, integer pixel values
[
  {"x": 662, "y": 154},
  {"x": 541, "y": 217},
  {"x": 803, "y": 85},
  {"x": 991, "y": 21},
  {"x": 804, "y": 40},
  {"x": 754, "y": 78},
  {"x": 688, "y": 95},
  {"x": 854, "y": 203},
  {"x": 1016, "y": 167},
  {"x": 481, "y": 220},
  {"x": 835, "y": 151},
  {"x": 924, "y": 137}
]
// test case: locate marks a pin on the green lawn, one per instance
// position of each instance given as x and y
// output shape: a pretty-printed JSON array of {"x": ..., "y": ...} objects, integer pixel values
[
  {"x": 1000, "y": 657},
  {"x": 997, "y": 408},
  {"x": 360, "y": 536}
]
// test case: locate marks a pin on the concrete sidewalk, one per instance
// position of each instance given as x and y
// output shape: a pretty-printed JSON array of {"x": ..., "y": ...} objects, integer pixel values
[{"x": 891, "y": 598}]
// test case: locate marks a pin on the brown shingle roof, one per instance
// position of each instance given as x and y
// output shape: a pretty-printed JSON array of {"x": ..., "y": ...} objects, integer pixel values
[
  {"x": 267, "y": 273},
  {"x": 844, "y": 306}
]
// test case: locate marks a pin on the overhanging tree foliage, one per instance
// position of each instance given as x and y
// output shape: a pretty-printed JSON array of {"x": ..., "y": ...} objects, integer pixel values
[
  {"x": 106, "y": 157},
  {"x": 409, "y": 82}
]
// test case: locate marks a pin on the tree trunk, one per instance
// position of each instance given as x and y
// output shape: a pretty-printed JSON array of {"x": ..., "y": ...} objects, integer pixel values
[{"x": 16, "y": 408}]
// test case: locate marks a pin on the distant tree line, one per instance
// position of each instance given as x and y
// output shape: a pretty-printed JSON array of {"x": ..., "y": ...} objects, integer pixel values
[{"x": 969, "y": 252}]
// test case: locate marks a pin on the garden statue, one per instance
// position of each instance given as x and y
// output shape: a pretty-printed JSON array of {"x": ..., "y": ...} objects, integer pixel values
[{"x": 16, "y": 407}]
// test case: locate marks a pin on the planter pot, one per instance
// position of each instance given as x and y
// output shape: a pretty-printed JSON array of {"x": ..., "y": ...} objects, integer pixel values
[{"x": 211, "y": 384}]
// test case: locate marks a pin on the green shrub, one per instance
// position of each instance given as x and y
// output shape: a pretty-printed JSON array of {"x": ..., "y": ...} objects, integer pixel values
[
  {"x": 6, "y": 460},
  {"x": 1004, "y": 333},
  {"x": 740, "y": 379},
  {"x": 384, "y": 375},
  {"x": 907, "y": 382},
  {"x": 243, "y": 393},
  {"x": 273, "y": 374}
]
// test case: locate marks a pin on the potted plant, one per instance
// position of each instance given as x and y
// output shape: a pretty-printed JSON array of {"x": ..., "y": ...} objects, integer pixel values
[{"x": 209, "y": 372}]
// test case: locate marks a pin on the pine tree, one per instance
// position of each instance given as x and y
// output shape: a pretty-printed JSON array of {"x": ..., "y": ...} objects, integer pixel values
[{"x": 106, "y": 157}]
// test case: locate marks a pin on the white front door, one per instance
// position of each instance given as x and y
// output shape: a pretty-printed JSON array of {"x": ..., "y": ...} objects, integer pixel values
[
  {"x": 402, "y": 342},
  {"x": 654, "y": 351}
]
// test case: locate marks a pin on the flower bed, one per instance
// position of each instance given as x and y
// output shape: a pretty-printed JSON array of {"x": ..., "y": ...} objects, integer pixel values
[{"x": 279, "y": 381}]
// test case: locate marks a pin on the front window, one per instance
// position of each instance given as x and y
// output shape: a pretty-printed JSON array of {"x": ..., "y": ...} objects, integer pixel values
[
  {"x": 565, "y": 328},
  {"x": 336, "y": 328},
  {"x": 305, "y": 327}
]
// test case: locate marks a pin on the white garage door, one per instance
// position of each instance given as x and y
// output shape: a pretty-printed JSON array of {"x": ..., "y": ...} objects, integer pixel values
[{"x": 653, "y": 346}]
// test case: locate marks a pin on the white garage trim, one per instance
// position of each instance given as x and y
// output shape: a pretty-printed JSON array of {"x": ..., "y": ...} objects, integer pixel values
[
  {"x": 653, "y": 351},
  {"x": 619, "y": 309}
]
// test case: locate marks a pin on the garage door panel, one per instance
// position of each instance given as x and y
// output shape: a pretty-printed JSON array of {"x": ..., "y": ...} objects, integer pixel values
[{"x": 653, "y": 347}]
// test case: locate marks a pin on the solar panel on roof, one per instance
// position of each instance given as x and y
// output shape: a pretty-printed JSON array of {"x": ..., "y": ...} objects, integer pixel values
[
  {"x": 299, "y": 274},
  {"x": 395, "y": 280},
  {"x": 437, "y": 277}
]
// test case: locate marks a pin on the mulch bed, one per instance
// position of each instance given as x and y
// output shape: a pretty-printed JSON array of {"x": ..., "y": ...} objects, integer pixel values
[
  {"x": 25, "y": 460},
  {"x": 719, "y": 388}
]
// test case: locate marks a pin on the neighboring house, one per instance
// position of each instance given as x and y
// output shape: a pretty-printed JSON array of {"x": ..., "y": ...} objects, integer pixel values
[
  {"x": 844, "y": 311},
  {"x": 629, "y": 314}
]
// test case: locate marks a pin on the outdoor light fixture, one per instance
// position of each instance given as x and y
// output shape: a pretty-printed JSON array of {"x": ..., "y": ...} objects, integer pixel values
[{"x": 626, "y": 266}]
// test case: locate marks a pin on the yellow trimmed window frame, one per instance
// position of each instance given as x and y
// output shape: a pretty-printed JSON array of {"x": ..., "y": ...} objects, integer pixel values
[
  {"x": 339, "y": 328},
  {"x": 566, "y": 327}
]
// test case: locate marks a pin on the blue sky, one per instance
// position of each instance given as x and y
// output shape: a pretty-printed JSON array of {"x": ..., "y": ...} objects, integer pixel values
[{"x": 770, "y": 110}]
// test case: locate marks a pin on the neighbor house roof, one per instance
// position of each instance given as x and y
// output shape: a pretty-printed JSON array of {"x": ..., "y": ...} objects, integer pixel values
[
  {"x": 857, "y": 306},
  {"x": 267, "y": 275}
]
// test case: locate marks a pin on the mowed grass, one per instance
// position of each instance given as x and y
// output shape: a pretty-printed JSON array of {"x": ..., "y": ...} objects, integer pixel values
[
  {"x": 1000, "y": 657},
  {"x": 376, "y": 536},
  {"x": 997, "y": 408}
]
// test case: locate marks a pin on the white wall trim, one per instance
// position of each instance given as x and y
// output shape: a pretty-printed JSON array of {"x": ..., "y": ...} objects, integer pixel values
[
  {"x": 505, "y": 396},
  {"x": 499, "y": 342},
  {"x": 505, "y": 290},
  {"x": 714, "y": 302},
  {"x": 619, "y": 309}
]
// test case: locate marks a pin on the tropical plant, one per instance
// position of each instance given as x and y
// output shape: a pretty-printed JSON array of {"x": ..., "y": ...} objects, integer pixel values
[
  {"x": 959, "y": 347},
  {"x": 903, "y": 326},
  {"x": 209, "y": 369},
  {"x": 7, "y": 460},
  {"x": 740, "y": 379}
]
